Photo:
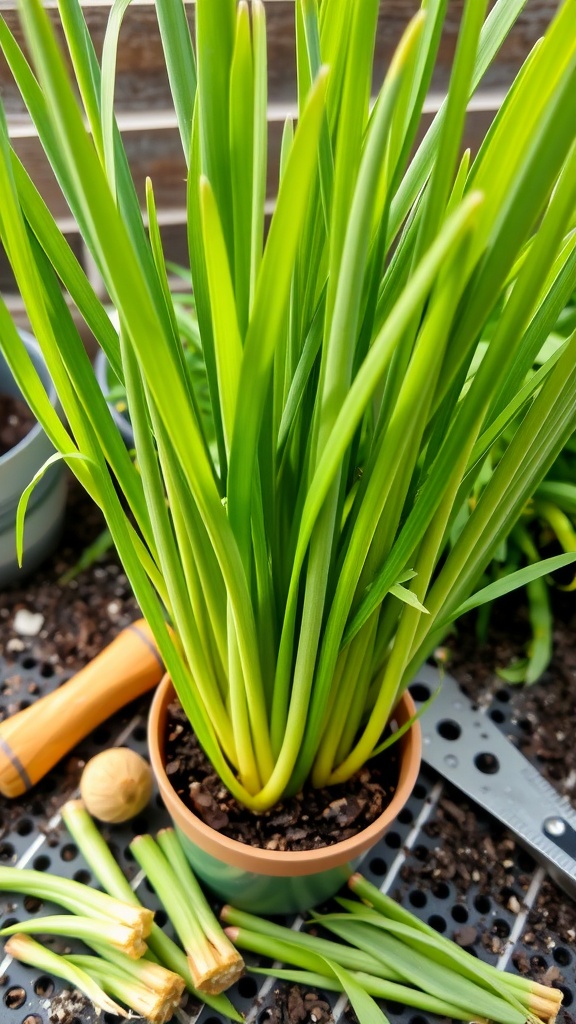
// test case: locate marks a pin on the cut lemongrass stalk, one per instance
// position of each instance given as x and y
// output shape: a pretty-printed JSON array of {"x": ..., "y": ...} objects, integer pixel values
[
  {"x": 232, "y": 964},
  {"x": 156, "y": 1004},
  {"x": 353, "y": 959},
  {"x": 376, "y": 987},
  {"x": 433, "y": 977},
  {"x": 78, "y": 898},
  {"x": 519, "y": 990},
  {"x": 153, "y": 975},
  {"x": 85, "y": 928},
  {"x": 210, "y": 972},
  {"x": 28, "y": 951},
  {"x": 100, "y": 860}
]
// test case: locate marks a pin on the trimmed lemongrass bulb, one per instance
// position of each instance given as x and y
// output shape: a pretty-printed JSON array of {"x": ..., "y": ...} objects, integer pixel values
[
  {"x": 119, "y": 936},
  {"x": 116, "y": 784}
]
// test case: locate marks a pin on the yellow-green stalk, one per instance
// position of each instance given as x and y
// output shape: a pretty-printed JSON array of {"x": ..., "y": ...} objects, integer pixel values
[
  {"x": 86, "y": 928},
  {"x": 100, "y": 860},
  {"x": 78, "y": 898},
  {"x": 214, "y": 967},
  {"x": 148, "y": 989},
  {"x": 28, "y": 951}
]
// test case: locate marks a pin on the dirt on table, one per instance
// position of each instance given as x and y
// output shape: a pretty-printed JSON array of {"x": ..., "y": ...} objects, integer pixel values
[
  {"x": 295, "y": 1005},
  {"x": 16, "y": 420}
]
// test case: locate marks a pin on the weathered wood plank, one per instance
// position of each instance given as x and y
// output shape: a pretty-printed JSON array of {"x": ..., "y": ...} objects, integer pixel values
[{"x": 142, "y": 83}]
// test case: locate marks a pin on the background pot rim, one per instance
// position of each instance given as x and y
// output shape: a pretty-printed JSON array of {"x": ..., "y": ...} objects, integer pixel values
[
  {"x": 283, "y": 862},
  {"x": 33, "y": 349}
]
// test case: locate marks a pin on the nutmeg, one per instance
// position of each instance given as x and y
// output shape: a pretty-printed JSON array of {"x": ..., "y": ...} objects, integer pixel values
[{"x": 116, "y": 784}]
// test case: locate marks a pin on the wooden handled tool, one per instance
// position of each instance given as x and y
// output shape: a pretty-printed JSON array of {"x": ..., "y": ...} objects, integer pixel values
[{"x": 33, "y": 740}]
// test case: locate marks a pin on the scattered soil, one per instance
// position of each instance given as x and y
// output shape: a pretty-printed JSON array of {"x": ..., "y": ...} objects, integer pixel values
[
  {"x": 308, "y": 821},
  {"x": 294, "y": 1005},
  {"x": 16, "y": 420},
  {"x": 67, "y": 1006}
]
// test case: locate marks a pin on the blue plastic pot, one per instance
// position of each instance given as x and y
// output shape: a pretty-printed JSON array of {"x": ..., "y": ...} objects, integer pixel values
[{"x": 45, "y": 513}]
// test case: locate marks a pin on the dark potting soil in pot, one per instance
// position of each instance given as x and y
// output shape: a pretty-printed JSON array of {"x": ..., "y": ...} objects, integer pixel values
[
  {"x": 308, "y": 821},
  {"x": 16, "y": 420}
]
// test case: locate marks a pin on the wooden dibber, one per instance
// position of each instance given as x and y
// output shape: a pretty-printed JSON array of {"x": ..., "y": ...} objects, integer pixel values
[{"x": 33, "y": 740}]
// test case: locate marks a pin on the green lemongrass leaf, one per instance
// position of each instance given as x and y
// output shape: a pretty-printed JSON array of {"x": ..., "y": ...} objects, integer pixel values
[
  {"x": 27, "y": 493},
  {"x": 541, "y": 624},
  {"x": 260, "y": 153},
  {"x": 376, "y": 987},
  {"x": 496, "y": 27},
  {"x": 109, "y": 53},
  {"x": 435, "y": 978},
  {"x": 562, "y": 493},
  {"x": 241, "y": 146},
  {"x": 88, "y": 928},
  {"x": 511, "y": 582},
  {"x": 408, "y": 597},
  {"x": 225, "y": 315},
  {"x": 367, "y": 1011},
  {"x": 269, "y": 305},
  {"x": 30, "y": 952},
  {"x": 515, "y": 672},
  {"x": 180, "y": 64}
]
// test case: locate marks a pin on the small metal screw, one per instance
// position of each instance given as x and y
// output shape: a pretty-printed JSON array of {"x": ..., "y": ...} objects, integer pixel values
[{"x": 555, "y": 826}]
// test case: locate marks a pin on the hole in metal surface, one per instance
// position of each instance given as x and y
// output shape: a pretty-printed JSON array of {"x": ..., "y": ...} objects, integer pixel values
[
  {"x": 28, "y": 662},
  {"x": 497, "y": 716},
  {"x": 420, "y": 692},
  {"x": 47, "y": 670},
  {"x": 538, "y": 963},
  {"x": 32, "y": 904},
  {"x": 567, "y": 997},
  {"x": 482, "y": 904},
  {"x": 441, "y": 891},
  {"x": 420, "y": 852},
  {"x": 405, "y": 817},
  {"x": 10, "y": 921},
  {"x": 24, "y": 827},
  {"x": 33, "y": 1018},
  {"x": 69, "y": 852},
  {"x": 378, "y": 866},
  {"x": 501, "y": 928},
  {"x": 459, "y": 913},
  {"x": 247, "y": 987},
  {"x": 393, "y": 840},
  {"x": 42, "y": 863},
  {"x": 503, "y": 696},
  {"x": 43, "y": 986},
  {"x": 161, "y": 917},
  {"x": 562, "y": 956},
  {"x": 418, "y": 898},
  {"x": 419, "y": 791},
  {"x": 437, "y": 922},
  {"x": 487, "y": 763},
  {"x": 139, "y": 733},
  {"x": 82, "y": 876},
  {"x": 7, "y": 852},
  {"x": 395, "y": 1008},
  {"x": 15, "y": 997},
  {"x": 448, "y": 729}
]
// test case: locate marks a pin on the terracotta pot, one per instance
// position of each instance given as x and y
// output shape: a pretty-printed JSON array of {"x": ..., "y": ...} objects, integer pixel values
[{"x": 267, "y": 881}]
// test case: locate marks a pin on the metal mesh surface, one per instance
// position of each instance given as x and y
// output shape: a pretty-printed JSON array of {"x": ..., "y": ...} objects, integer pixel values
[{"x": 32, "y": 835}]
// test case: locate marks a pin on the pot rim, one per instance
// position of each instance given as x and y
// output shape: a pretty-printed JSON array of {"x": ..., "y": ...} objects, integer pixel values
[
  {"x": 33, "y": 349},
  {"x": 284, "y": 862}
]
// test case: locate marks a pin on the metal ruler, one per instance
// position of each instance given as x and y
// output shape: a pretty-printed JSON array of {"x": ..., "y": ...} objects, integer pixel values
[{"x": 462, "y": 743}]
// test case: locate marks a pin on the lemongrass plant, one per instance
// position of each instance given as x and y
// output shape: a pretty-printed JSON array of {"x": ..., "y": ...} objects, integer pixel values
[{"x": 303, "y": 560}]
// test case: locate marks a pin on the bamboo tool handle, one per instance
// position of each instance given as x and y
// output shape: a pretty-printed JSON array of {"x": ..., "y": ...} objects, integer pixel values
[{"x": 33, "y": 740}]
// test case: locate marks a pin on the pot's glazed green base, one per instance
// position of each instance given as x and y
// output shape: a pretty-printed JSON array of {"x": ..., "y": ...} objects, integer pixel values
[{"x": 264, "y": 894}]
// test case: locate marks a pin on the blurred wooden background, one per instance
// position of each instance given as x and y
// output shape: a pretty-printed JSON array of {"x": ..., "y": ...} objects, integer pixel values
[{"x": 147, "y": 120}]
